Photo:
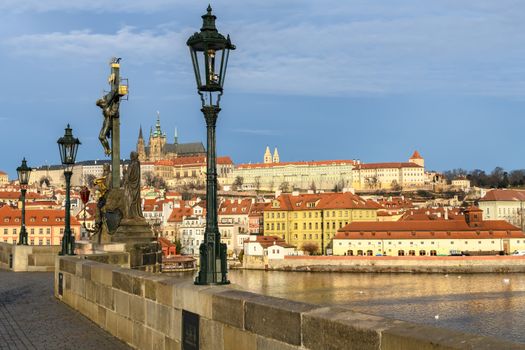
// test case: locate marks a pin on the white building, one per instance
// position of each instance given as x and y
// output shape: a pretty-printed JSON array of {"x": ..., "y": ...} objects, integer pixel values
[
  {"x": 270, "y": 247},
  {"x": 505, "y": 205},
  {"x": 192, "y": 234}
]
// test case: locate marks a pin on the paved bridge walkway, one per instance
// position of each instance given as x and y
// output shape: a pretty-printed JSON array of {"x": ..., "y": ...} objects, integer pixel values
[{"x": 31, "y": 317}]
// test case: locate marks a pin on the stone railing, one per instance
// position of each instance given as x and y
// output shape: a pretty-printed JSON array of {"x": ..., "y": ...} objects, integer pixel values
[
  {"x": 28, "y": 257},
  {"x": 151, "y": 311}
]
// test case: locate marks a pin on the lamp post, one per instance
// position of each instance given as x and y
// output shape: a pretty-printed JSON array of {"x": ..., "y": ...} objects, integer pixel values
[
  {"x": 209, "y": 55},
  {"x": 68, "y": 147},
  {"x": 23, "y": 172}
]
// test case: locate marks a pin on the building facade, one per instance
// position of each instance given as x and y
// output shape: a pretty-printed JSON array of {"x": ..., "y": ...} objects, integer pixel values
[
  {"x": 313, "y": 219},
  {"x": 466, "y": 233},
  {"x": 505, "y": 205},
  {"x": 44, "y": 227}
]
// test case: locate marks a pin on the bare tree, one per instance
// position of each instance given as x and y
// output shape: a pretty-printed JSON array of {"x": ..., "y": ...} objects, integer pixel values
[
  {"x": 284, "y": 186},
  {"x": 237, "y": 183},
  {"x": 310, "y": 247},
  {"x": 313, "y": 187}
]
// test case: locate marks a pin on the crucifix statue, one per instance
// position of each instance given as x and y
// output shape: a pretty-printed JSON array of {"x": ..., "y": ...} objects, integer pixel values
[{"x": 110, "y": 104}]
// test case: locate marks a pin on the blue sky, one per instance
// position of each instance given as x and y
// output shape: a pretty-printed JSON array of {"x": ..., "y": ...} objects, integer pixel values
[{"x": 369, "y": 80}]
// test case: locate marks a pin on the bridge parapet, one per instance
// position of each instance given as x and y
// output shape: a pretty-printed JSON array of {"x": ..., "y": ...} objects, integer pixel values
[{"x": 152, "y": 311}]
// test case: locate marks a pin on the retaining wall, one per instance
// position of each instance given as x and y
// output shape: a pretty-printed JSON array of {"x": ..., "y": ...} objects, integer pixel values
[
  {"x": 151, "y": 311},
  {"x": 28, "y": 257},
  {"x": 426, "y": 264}
]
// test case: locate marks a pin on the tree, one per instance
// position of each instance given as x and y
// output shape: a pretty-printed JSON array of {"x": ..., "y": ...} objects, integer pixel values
[
  {"x": 310, "y": 247},
  {"x": 44, "y": 180},
  {"x": 284, "y": 186},
  {"x": 241, "y": 256},
  {"x": 178, "y": 245},
  {"x": 313, "y": 187},
  {"x": 154, "y": 180},
  {"x": 395, "y": 186},
  {"x": 371, "y": 182},
  {"x": 237, "y": 183},
  {"x": 257, "y": 184},
  {"x": 89, "y": 180}
]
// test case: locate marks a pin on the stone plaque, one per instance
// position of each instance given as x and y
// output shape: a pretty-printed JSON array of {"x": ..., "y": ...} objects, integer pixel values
[
  {"x": 190, "y": 331},
  {"x": 60, "y": 284}
]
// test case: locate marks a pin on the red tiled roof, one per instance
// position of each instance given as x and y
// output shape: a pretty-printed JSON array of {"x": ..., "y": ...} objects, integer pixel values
[
  {"x": 431, "y": 228},
  {"x": 257, "y": 209},
  {"x": 504, "y": 195},
  {"x": 179, "y": 213},
  {"x": 416, "y": 155},
  {"x": 268, "y": 241},
  {"x": 320, "y": 201},
  {"x": 34, "y": 217},
  {"x": 389, "y": 165},
  {"x": 234, "y": 207},
  {"x": 15, "y": 195},
  {"x": 194, "y": 160},
  {"x": 304, "y": 163}
]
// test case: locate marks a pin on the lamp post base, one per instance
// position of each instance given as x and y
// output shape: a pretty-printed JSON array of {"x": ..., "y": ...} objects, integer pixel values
[{"x": 213, "y": 267}]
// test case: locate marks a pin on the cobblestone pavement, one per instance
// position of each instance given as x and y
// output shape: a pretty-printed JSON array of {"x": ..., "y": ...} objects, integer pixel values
[{"x": 31, "y": 317}]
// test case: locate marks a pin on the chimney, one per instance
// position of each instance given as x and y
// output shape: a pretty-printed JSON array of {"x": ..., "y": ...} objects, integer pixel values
[{"x": 446, "y": 213}]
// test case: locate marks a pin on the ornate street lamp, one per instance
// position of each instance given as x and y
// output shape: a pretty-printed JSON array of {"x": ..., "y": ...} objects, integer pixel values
[
  {"x": 23, "y": 179},
  {"x": 68, "y": 147},
  {"x": 210, "y": 51}
]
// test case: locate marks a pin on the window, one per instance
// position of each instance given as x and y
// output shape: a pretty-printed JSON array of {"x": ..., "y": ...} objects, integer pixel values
[
  {"x": 369, "y": 253},
  {"x": 401, "y": 252},
  {"x": 360, "y": 252},
  {"x": 412, "y": 252},
  {"x": 422, "y": 253},
  {"x": 295, "y": 226},
  {"x": 433, "y": 253}
]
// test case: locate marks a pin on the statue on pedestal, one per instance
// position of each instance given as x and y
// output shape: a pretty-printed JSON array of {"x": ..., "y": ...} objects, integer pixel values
[{"x": 132, "y": 188}]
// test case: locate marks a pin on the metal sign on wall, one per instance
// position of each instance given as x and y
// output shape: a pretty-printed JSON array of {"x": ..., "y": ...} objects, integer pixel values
[{"x": 190, "y": 331}]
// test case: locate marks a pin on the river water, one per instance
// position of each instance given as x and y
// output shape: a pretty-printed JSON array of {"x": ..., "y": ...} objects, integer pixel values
[{"x": 488, "y": 304}]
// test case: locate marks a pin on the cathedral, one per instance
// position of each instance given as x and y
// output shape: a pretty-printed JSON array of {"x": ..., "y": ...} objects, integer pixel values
[{"x": 158, "y": 148}]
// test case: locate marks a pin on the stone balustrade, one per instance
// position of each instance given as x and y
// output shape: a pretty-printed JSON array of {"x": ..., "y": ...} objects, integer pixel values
[
  {"x": 152, "y": 311},
  {"x": 21, "y": 258}
]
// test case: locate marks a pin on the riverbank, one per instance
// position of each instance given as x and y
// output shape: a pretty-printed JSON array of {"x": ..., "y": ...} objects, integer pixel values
[{"x": 391, "y": 264}]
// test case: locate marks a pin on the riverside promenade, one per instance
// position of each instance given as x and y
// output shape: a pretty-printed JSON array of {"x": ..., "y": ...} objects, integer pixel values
[{"x": 32, "y": 318}]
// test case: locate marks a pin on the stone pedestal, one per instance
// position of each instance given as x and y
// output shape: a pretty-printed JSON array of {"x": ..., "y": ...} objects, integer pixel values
[{"x": 141, "y": 244}]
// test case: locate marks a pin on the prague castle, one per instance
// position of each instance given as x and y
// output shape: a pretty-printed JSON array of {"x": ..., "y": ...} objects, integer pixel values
[{"x": 158, "y": 148}]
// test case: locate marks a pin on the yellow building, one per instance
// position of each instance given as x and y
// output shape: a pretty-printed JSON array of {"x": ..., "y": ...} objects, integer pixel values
[
  {"x": 4, "y": 179},
  {"x": 312, "y": 220},
  {"x": 464, "y": 233}
]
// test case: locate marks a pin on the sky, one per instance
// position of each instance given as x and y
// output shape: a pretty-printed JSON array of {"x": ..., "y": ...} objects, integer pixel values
[{"x": 318, "y": 79}]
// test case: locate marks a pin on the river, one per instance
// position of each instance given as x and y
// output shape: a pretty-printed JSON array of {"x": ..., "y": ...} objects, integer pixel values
[{"x": 488, "y": 304}]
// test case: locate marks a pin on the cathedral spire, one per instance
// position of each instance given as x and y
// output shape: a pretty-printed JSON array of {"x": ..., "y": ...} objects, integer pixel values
[
  {"x": 140, "y": 133},
  {"x": 267, "y": 155},
  {"x": 176, "y": 140}
]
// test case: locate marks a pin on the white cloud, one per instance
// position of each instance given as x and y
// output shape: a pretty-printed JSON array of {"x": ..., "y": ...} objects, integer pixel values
[
  {"x": 142, "y": 46},
  {"x": 330, "y": 48}
]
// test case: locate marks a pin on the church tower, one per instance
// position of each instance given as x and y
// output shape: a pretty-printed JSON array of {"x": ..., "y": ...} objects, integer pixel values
[
  {"x": 267, "y": 156},
  {"x": 275, "y": 156},
  {"x": 157, "y": 140},
  {"x": 141, "y": 148},
  {"x": 417, "y": 159}
]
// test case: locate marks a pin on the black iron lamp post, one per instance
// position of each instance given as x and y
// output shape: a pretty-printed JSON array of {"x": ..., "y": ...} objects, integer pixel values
[
  {"x": 68, "y": 147},
  {"x": 23, "y": 179},
  {"x": 209, "y": 55}
]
